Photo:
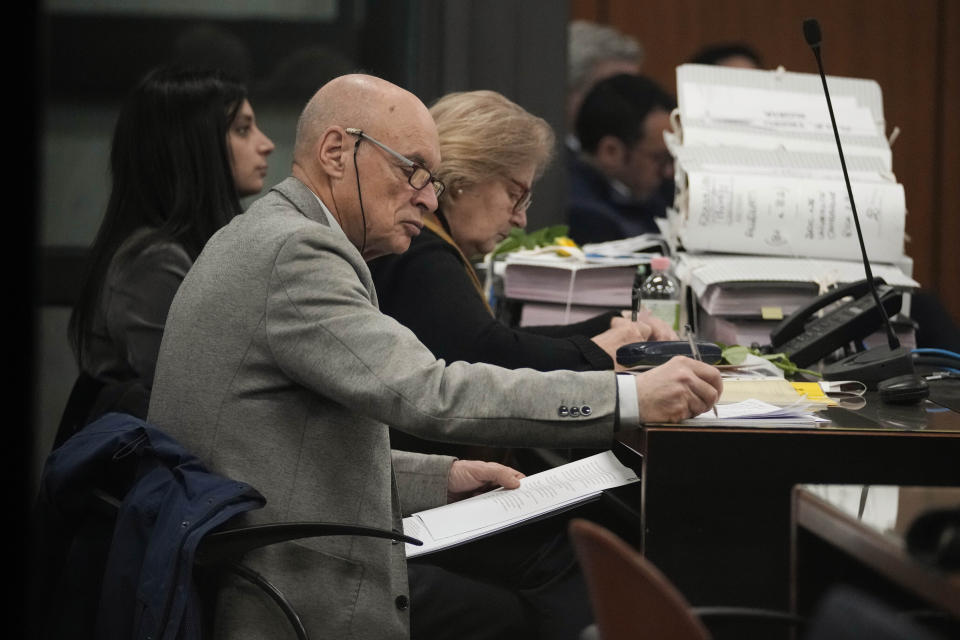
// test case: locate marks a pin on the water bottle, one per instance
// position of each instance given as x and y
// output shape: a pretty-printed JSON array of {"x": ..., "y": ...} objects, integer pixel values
[{"x": 660, "y": 293}]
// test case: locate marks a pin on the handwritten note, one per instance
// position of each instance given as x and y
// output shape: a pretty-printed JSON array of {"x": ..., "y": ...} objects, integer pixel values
[
  {"x": 778, "y": 215},
  {"x": 757, "y": 168}
]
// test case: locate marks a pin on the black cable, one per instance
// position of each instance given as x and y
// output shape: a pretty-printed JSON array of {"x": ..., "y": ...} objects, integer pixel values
[{"x": 363, "y": 216}]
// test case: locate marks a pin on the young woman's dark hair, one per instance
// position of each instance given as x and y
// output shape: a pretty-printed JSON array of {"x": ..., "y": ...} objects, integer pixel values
[{"x": 171, "y": 174}]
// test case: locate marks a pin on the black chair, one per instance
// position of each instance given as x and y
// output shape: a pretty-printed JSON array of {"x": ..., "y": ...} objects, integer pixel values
[{"x": 80, "y": 520}]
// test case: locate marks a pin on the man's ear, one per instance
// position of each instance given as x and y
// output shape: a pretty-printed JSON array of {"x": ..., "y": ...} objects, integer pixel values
[
  {"x": 611, "y": 152},
  {"x": 332, "y": 152}
]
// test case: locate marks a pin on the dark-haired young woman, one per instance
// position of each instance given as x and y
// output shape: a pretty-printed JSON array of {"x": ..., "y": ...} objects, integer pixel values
[{"x": 185, "y": 148}]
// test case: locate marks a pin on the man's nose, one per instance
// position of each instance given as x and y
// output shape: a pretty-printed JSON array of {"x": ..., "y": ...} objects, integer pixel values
[{"x": 426, "y": 198}]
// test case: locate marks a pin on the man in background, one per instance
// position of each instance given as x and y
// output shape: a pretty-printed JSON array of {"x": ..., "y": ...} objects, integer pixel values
[
  {"x": 728, "y": 54},
  {"x": 622, "y": 179},
  {"x": 595, "y": 52}
]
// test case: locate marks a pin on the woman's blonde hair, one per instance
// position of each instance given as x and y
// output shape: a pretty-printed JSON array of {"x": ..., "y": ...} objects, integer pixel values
[{"x": 483, "y": 135}]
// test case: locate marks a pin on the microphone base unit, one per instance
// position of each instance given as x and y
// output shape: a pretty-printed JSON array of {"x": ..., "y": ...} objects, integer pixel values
[{"x": 871, "y": 366}]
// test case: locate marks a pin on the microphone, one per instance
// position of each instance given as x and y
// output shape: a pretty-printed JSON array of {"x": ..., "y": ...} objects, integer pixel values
[{"x": 877, "y": 364}]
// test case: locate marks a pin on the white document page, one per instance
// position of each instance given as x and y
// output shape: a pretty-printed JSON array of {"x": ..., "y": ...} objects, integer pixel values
[
  {"x": 756, "y": 413},
  {"x": 880, "y": 502},
  {"x": 790, "y": 111},
  {"x": 779, "y": 162},
  {"x": 700, "y": 271},
  {"x": 778, "y": 109},
  {"x": 779, "y": 215},
  {"x": 725, "y": 134},
  {"x": 537, "y": 495}
]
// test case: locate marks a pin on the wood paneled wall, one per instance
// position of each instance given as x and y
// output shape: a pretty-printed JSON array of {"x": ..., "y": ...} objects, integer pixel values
[{"x": 912, "y": 49}]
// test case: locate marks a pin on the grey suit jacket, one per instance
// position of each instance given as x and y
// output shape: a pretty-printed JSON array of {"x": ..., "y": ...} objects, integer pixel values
[{"x": 277, "y": 368}]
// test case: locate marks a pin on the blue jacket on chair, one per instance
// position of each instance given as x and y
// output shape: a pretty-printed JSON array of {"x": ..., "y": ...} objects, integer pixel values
[{"x": 172, "y": 501}]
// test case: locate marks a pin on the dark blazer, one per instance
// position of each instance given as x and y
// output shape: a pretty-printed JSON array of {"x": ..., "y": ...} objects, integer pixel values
[
  {"x": 428, "y": 290},
  {"x": 596, "y": 212}
]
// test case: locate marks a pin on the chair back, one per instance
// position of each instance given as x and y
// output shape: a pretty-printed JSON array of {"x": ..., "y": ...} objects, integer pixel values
[
  {"x": 631, "y": 598},
  {"x": 123, "y": 516}
]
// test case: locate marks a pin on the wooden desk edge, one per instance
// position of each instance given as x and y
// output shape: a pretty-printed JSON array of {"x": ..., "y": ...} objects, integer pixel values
[{"x": 869, "y": 547}]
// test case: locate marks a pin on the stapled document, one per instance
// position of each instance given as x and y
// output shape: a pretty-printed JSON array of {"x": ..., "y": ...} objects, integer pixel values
[{"x": 538, "y": 494}]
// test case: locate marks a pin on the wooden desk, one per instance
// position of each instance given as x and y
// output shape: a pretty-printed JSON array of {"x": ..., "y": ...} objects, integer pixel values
[
  {"x": 834, "y": 540},
  {"x": 715, "y": 503}
]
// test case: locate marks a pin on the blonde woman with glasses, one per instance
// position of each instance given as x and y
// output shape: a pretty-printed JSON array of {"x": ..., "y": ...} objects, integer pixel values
[{"x": 492, "y": 152}]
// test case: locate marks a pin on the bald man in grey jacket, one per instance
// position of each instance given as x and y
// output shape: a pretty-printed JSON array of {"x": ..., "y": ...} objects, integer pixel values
[{"x": 277, "y": 368}]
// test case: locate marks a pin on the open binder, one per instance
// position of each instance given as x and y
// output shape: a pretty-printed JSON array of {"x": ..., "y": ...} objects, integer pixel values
[
  {"x": 762, "y": 219},
  {"x": 757, "y": 170}
]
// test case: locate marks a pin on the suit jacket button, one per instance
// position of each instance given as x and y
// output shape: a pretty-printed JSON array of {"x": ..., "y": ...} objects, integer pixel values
[
  {"x": 402, "y": 602},
  {"x": 585, "y": 410},
  {"x": 562, "y": 411},
  {"x": 574, "y": 412}
]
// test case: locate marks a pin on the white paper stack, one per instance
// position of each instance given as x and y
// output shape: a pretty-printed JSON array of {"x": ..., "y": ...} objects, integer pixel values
[
  {"x": 757, "y": 168},
  {"x": 759, "y": 414},
  {"x": 762, "y": 218},
  {"x": 742, "y": 298},
  {"x": 563, "y": 290}
]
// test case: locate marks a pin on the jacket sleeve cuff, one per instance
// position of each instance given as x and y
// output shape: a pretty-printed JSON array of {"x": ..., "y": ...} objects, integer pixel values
[{"x": 628, "y": 407}]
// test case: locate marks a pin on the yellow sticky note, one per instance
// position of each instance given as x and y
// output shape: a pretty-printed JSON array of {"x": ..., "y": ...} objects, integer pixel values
[
  {"x": 813, "y": 391},
  {"x": 810, "y": 389},
  {"x": 771, "y": 313}
]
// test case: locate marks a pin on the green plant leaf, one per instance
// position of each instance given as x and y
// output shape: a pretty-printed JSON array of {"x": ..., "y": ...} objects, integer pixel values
[
  {"x": 737, "y": 354},
  {"x": 519, "y": 239}
]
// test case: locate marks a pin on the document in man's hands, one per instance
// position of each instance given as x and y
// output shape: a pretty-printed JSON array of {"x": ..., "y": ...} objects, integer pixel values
[{"x": 538, "y": 494}]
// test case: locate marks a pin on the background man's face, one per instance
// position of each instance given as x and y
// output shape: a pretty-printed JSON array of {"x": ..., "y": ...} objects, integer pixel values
[{"x": 648, "y": 162}]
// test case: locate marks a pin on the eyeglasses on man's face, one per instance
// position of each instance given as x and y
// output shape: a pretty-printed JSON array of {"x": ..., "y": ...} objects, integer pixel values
[{"x": 419, "y": 176}]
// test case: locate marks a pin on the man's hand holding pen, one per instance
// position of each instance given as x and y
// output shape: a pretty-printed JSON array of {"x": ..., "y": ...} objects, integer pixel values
[
  {"x": 695, "y": 351},
  {"x": 679, "y": 389}
]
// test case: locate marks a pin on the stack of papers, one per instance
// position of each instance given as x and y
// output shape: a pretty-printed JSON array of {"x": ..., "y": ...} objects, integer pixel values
[
  {"x": 760, "y": 414},
  {"x": 539, "y": 494},
  {"x": 534, "y": 314},
  {"x": 757, "y": 168},
  {"x": 741, "y": 299},
  {"x": 627, "y": 250},
  {"x": 734, "y": 274},
  {"x": 773, "y": 390},
  {"x": 565, "y": 281}
]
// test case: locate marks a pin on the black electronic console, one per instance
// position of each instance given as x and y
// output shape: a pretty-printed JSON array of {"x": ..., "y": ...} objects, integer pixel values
[
  {"x": 652, "y": 354},
  {"x": 806, "y": 336},
  {"x": 879, "y": 363}
]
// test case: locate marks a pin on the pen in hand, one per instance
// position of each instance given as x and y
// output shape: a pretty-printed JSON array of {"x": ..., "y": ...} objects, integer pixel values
[
  {"x": 696, "y": 354},
  {"x": 635, "y": 297}
]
